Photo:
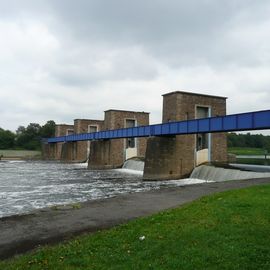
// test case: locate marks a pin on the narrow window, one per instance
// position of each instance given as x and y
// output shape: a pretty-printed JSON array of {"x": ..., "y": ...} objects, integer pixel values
[
  {"x": 130, "y": 142},
  {"x": 69, "y": 131},
  {"x": 92, "y": 128},
  {"x": 202, "y": 138}
]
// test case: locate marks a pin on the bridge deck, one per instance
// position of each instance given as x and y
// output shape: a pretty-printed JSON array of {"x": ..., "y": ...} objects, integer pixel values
[{"x": 235, "y": 122}]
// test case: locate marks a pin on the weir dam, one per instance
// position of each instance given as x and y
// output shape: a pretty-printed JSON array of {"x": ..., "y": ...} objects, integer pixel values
[{"x": 193, "y": 132}]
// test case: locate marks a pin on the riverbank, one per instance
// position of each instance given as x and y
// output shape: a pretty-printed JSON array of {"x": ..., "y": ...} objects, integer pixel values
[
  {"x": 19, "y": 155},
  {"x": 19, "y": 234}
]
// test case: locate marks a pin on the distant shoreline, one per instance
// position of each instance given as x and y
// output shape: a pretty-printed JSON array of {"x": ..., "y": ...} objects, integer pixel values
[{"x": 20, "y": 155}]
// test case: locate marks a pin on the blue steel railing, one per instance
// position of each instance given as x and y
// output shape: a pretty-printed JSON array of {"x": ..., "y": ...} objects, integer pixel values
[{"x": 234, "y": 122}]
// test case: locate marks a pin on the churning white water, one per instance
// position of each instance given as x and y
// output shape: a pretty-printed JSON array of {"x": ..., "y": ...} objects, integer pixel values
[
  {"x": 28, "y": 185},
  {"x": 135, "y": 165}
]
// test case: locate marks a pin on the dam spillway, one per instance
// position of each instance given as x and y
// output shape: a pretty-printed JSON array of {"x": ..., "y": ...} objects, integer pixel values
[
  {"x": 211, "y": 173},
  {"x": 134, "y": 164},
  {"x": 192, "y": 132}
]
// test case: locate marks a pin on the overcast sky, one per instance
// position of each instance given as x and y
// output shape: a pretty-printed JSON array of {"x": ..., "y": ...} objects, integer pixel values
[{"x": 67, "y": 59}]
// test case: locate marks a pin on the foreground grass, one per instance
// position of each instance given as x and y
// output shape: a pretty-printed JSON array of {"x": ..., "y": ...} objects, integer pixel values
[
  {"x": 228, "y": 230},
  {"x": 245, "y": 151}
]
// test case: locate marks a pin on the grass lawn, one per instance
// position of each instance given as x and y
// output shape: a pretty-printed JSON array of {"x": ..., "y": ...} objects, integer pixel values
[
  {"x": 245, "y": 151},
  {"x": 228, "y": 230},
  {"x": 253, "y": 161}
]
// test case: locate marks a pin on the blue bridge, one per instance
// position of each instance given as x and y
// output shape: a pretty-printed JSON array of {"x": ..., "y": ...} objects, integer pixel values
[{"x": 257, "y": 120}]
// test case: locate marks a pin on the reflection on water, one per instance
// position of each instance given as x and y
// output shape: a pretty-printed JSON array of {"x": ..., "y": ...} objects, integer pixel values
[{"x": 25, "y": 186}]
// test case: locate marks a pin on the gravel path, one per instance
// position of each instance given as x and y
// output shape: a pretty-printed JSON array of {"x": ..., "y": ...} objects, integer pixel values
[{"x": 22, "y": 233}]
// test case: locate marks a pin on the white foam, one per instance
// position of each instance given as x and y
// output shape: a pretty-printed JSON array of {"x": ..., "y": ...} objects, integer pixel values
[
  {"x": 132, "y": 164},
  {"x": 15, "y": 161},
  {"x": 188, "y": 181},
  {"x": 129, "y": 171},
  {"x": 81, "y": 165}
]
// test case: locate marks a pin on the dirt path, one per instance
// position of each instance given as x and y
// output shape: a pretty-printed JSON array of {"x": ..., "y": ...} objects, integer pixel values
[{"x": 19, "y": 234}]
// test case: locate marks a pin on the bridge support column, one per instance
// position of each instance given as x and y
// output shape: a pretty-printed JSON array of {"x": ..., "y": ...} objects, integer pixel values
[
  {"x": 103, "y": 155},
  {"x": 168, "y": 158},
  {"x": 48, "y": 151},
  {"x": 68, "y": 152}
]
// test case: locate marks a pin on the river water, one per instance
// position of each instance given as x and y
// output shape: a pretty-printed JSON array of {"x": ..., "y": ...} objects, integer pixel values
[{"x": 28, "y": 185}]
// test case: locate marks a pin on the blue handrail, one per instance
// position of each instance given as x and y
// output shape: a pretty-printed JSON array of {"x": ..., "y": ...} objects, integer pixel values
[{"x": 235, "y": 122}]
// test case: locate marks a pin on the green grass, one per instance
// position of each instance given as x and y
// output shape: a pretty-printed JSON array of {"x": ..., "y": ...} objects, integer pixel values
[
  {"x": 253, "y": 161},
  {"x": 245, "y": 151},
  {"x": 19, "y": 153},
  {"x": 228, "y": 230},
  {"x": 249, "y": 151}
]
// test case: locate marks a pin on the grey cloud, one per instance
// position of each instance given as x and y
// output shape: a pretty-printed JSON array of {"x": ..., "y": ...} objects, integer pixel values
[
  {"x": 16, "y": 9},
  {"x": 90, "y": 66},
  {"x": 77, "y": 58},
  {"x": 176, "y": 32}
]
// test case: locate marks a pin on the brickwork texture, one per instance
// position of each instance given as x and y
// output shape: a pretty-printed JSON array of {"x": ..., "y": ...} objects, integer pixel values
[
  {"x": 111, "y": 153},
  {"x": 175, "y": 157}
]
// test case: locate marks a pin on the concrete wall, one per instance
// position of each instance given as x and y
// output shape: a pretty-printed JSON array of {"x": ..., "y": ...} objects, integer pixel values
[
  {"x": 112, "y": 153},
  {"x": 172, "y": 158}
]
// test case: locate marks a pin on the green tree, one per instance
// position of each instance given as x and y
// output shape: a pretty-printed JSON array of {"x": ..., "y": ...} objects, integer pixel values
[
  {"x": 7, "y": 139},
  {"x": 48, "y": 130},
  {"x": 29, "y": 137},
  {"x": 248, "y": 140}
]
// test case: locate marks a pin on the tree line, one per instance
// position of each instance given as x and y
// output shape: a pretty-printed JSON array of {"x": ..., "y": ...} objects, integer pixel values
[
  {"x": 248, "y": 140},
  {"x": 26, "y": 138}
]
